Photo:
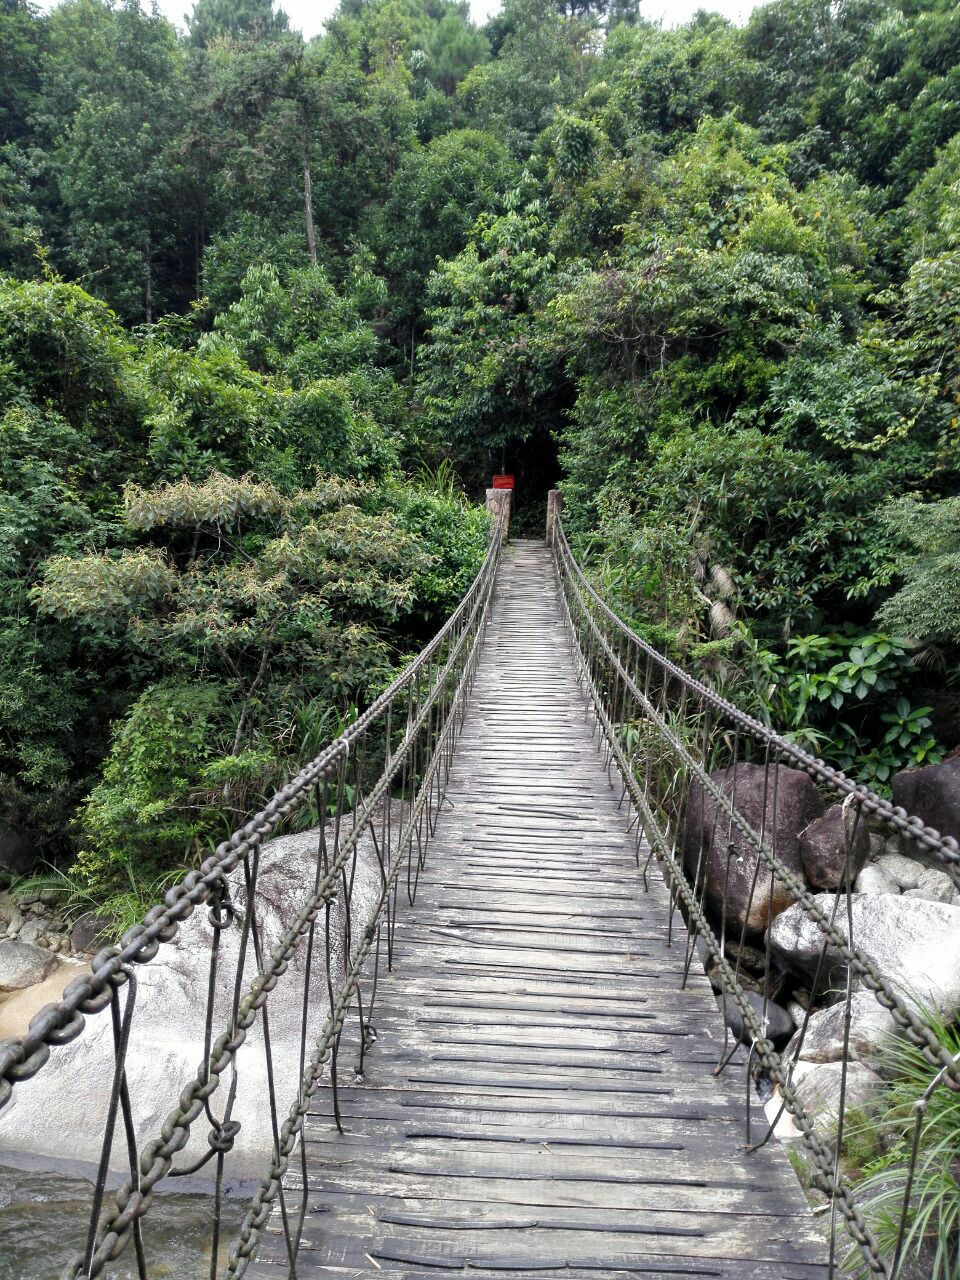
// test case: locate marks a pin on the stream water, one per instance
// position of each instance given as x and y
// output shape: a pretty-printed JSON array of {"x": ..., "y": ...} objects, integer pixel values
[{"x": 43, "y": 1225}]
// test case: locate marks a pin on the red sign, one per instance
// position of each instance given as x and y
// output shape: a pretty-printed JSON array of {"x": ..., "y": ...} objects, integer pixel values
[{"x": 503, "y": 482}]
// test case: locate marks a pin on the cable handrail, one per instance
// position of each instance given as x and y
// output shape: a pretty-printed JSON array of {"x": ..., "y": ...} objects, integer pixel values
[
  {"x": 380, "y": 783},
  {"x": 946, "y": 848},
  {"x": 645, "y": 705}
]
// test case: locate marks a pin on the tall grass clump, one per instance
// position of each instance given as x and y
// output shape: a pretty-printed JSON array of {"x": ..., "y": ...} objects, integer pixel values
[{"x": 921, "y": 1114}]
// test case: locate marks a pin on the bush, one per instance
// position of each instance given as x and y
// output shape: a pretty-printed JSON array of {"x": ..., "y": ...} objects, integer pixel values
[
  {"x": 151, "y": 812},
  {"x": 793, "y": 530},
  {"x": 927, "y": 606}
]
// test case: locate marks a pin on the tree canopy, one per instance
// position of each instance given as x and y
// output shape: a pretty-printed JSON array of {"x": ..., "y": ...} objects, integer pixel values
[{"x": 262, "y": 299}]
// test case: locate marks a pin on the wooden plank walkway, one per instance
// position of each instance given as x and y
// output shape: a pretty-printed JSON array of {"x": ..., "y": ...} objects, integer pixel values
[{"x": 541, "y": 1096}]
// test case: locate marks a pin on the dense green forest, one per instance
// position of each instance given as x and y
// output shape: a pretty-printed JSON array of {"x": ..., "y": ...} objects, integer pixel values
[{"x": 267, "y": 304}]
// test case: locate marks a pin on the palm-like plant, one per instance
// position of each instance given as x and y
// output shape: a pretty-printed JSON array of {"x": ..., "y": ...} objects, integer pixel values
[{"x": 915, "y": 1185}]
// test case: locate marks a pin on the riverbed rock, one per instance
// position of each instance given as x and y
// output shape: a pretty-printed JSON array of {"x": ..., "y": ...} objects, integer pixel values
[
  {"x": 932, "y": 793},
  {"x": 818, "y": 1086},
  {"x": 823, "y": 848},
  {"x": 15, "y": 923},
  {"x": 776, "y": 1022},
  {"x": 32, "y": 931},
  {"x": 728, "y": 860},
  {"x": 904, "y": 871},
  {"x": 871, "y": 1026},
  {"x": 746, "y": 956},
  {"x": 933, "y": 885},
  {"x": 873, "y": 879},
  {"x": 713, "y": 972},
  {"x": 796, "y": 1011},
  {"x": 22, "y": 965},
  {"x": 89, "y": 932},
  {"x": 42, "y": 1119},
  {"x": 913, "y": 943}
]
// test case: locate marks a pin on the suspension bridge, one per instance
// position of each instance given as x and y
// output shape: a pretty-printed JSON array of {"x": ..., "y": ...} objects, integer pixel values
[
  {"x": 510, "y": 1058},
  {"x": 541, "y": 1097}
]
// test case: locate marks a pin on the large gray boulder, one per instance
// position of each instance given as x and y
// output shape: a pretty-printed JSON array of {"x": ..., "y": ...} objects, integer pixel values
[
  {"x": 903, "y": 871},
  {"x": 934, "y": 885},
  {"x": 43, "y": 1118},
  {"x": 932, "y": 793},
  {"x": 873, "y": 879},
  {"x": 22, "y": 965},
  {"x": 871, "y": 1026},
  {"x": 781, "y": 807},
  {"x": 913, "y": 943},
  {"x": 823, "y": 850},
  {"x": 820, "y": 1085}
]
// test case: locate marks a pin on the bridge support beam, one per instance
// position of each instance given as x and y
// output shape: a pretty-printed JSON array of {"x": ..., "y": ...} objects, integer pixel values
[
  {"x": 554, "y": 507},
  {"x": 497, "y": 499}
]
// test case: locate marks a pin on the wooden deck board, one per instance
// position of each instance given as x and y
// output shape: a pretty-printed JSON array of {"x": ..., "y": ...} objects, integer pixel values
[{"x": 541, "y": 1097}]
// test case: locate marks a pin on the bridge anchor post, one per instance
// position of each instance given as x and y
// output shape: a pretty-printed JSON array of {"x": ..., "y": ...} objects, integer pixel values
[
  {"x": 554, "y": 507},
  {"x": 498, "y": 499}
]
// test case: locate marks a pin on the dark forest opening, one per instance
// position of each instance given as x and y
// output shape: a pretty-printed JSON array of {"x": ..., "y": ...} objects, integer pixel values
[{"x": 535, "y": 466}]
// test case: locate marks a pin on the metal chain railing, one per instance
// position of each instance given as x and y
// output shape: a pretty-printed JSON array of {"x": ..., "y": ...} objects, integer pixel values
[
  {"x": 681, "y": 750},
  {"x": 377, "y": 791}
]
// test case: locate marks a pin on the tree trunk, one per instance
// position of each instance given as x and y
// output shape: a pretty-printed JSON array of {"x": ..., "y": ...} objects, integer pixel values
[
  {"x": 198, "y": 241},
  {"x": 148, "y": 288},
  {"x": 307, "y": 189},
  {"x": 231, "y": 792}
]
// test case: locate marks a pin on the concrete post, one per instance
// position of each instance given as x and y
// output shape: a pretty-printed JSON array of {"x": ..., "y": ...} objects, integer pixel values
[
  {"x": 497, "y": 499},
  {"x": 554, "y": 507}
]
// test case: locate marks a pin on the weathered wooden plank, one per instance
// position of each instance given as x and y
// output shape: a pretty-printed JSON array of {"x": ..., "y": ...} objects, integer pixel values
[
  {"x": 649, "y": 1267},
  {"x": 492, "y": 1102},
  {"x": 489, "y": 1236},
  {"x": 541, "y": 1098},
  {"x": 749, "y": 1202},
  {"x": 529, "y": 1246}
]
